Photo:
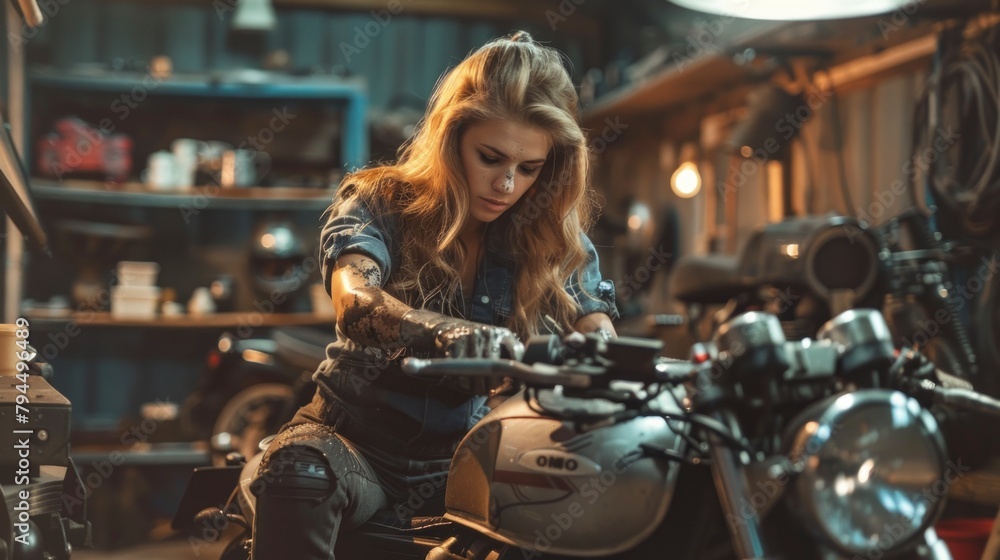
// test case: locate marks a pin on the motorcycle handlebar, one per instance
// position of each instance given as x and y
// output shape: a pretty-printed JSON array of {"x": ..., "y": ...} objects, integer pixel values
[
  {"x": 967, "y": 399},
  {"x": 537, "y": 374}
]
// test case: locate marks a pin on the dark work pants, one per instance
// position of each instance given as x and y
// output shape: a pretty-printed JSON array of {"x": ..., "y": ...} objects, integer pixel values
[{"x": 305, "y": 498}]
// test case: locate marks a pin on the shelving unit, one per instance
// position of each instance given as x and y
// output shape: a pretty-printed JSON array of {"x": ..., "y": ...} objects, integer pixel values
[
  {"x": 229, "y": 85},
  {"x": 687, "y": 76},
  {"x": 696, "y": 77},
  {"x": 115, "y": 364},
  {"x": 210, "y": 321},
  {"x": 712, "y": 70},
  {"x": 138, "y": 194}
]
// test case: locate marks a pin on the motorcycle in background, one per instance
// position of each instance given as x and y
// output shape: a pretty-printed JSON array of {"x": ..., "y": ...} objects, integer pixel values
[
  {"x": 807, "y": 270},
  {"x": 813, "y": 448},
  {"x": 252, "y": 386}
]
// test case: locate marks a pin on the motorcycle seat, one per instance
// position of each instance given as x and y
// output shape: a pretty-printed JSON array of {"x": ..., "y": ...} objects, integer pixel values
[{"x": 706, "y": 279}]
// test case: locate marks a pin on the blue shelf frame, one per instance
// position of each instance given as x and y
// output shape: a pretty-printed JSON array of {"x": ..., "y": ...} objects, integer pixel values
[{"x": 352, "y": 91}]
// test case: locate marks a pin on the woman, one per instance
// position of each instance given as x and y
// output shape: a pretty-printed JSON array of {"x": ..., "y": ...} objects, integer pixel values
[{"x": 458, "y": 249}]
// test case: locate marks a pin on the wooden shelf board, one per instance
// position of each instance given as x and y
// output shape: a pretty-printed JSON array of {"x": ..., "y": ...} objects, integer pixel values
[
  {"x": 212, "y": 321},
  {"x": 681, "y": 82},
  {"x": 145, "y": 454},
  {"x": 228, "y": 84},
  {"x": 712, "y": 72},
  {"x": 138, "y": 194}
]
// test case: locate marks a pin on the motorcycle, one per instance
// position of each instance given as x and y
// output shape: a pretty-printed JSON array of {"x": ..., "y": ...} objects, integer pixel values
[
  {"x": 252, "y": 386},
  {"x": 824, "y": 448},
  {"x": 807, "y": 270}
]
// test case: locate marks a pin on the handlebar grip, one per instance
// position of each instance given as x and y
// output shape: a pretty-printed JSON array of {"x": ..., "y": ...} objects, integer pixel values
[
  {"x": 968, "y": 399},
  {"x": 949, "y": 381}
]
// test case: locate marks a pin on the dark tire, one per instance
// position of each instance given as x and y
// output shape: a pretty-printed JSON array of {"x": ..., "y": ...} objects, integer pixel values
[
  {"x": 237, "y": 549},
  {"x": 251, "y": 415}
]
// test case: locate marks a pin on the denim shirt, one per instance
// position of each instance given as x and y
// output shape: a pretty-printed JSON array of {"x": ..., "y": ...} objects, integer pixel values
[{"x": 375, "y": 400}]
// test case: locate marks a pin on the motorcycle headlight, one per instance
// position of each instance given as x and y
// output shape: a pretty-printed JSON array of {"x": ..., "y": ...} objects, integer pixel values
[{"x": 871, "y": 468}]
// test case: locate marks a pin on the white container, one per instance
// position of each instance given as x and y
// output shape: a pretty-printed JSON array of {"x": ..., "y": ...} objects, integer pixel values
[
  {"x": 201, "y": 302},
  {"x": 137, "y": 273},
  {"x": 8, "y": 349},
  {"x": 134, "y": 302}
]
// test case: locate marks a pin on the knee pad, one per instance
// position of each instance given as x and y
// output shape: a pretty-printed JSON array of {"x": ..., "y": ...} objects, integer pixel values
[{"x": 296, "y": 471}]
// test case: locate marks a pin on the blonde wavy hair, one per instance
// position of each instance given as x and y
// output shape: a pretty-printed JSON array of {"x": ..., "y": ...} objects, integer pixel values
[{"x": 512, "y": 78}]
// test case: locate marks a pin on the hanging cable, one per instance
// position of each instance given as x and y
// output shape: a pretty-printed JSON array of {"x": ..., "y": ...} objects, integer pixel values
[{"x": 961, "y": 107}]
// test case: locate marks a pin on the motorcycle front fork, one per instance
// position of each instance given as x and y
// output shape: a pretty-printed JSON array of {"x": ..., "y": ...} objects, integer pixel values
[
  {"x": 731, "y": 486},
  {"x": 744, "y": 522}
]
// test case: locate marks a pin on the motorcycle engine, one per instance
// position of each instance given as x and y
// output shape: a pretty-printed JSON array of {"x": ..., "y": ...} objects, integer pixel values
[{"x": 829, "y": 257}]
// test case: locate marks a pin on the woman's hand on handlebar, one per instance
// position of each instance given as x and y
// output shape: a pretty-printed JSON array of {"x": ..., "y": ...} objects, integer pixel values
[
  {"x": 465, "y": 339},
  {"x": 457, "y": 338}
]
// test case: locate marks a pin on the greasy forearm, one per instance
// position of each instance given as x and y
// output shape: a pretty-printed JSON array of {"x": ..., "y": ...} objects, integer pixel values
[
  {"x": 365, "y": 313},
  {"x": 370, "y": 316}
]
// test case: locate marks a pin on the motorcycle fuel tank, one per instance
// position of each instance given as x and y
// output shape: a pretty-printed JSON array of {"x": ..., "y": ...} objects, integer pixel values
[{"x": 531, "y": 480}]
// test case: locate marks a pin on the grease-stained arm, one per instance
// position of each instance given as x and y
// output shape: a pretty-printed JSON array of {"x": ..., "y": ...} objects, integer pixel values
[
  {"x": 370, "y": 316},
  {"x": 364, "y": 312}
]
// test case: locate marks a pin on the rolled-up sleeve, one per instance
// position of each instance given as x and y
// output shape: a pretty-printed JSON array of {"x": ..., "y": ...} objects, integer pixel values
[
  {"x": 355, "y": 228},
  {"x": 592, "y": 292}
]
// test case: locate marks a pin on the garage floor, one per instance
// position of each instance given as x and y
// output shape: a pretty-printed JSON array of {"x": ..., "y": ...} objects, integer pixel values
[
  {"x": 164, "y": 544},
  {"x": 173, "y": 549}
]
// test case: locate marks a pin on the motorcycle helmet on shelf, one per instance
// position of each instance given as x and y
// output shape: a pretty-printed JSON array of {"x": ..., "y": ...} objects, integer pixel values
[{"x": 280, "y": 267}]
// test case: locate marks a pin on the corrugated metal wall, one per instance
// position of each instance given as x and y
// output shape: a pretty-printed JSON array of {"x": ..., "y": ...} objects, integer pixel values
[
  {"x": 876, "y": 135},
  {"x": 405, "y": 56}
]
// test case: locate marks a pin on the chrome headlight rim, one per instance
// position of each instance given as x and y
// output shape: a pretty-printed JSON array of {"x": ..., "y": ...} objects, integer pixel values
[{"x": 804, "y": 442}]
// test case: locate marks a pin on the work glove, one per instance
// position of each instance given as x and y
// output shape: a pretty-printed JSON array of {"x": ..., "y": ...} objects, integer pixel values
[{"x": 449, "y": 337}]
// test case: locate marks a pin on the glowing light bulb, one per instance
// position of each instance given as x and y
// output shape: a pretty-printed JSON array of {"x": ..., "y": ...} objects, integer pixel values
[{"x": 686, "y": 181}]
